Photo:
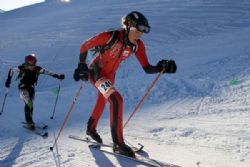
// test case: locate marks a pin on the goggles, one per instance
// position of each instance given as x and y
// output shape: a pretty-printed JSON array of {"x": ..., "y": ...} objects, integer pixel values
[{"x": 141, "y": 28}]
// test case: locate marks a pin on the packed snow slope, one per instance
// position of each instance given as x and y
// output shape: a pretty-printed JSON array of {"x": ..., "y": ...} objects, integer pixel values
[{"x": 197, "y": 117}]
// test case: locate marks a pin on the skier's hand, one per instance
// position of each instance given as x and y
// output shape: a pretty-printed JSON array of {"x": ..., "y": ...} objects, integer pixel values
[
  {"x": 81, "y": 72},
  {"x": 7, "y": 83},
  {"x": 61, "y": 76},
  {"x": 168, "y": 66}
]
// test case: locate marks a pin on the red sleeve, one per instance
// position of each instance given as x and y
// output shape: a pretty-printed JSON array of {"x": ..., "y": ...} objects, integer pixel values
[
  {"x": 141, "y": 54},
  {"x": 100, "y": 39}
]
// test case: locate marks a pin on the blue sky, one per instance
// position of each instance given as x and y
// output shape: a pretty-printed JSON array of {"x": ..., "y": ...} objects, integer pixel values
[{"x": 13, "y": 4}]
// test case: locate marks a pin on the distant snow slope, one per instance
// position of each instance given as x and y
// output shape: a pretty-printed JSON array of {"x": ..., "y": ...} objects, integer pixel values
[{"x": 196, "y": 117}]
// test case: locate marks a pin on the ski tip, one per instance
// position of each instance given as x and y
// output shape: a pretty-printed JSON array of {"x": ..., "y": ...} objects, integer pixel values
[{"x": 51, "y": 148}]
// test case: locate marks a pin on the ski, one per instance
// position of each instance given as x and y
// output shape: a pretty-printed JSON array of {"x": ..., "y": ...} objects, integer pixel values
[
  {"x": 43, "y": 126},
  {"x": 39, "y": 130},
  {"x": 38, "y": 126},
  {"x": 90, "y": 141},
  {"x": 139, "y": 158},
  {"x": 108, "y": 148}
]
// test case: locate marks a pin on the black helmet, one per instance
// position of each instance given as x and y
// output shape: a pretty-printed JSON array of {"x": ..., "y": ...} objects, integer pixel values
[
  {"x": 137, "y": 20},
  {"x": 30, "y": 59}
]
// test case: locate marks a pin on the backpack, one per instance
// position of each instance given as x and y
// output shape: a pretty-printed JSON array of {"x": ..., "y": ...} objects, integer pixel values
[{"x": 22, "y": 69}]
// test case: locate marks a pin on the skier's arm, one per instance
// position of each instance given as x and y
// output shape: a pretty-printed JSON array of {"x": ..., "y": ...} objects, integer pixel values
[
  {"x": 98, "y": 40},
  {"x": 165, "y": 66},
  {"x": 81, "y": 72},
  {"x": 142, "y": 58},
  {"x": 10, "y": 75},
  {"x": 48, "y": 72}
]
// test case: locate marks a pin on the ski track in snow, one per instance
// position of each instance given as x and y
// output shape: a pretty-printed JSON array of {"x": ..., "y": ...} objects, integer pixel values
[{"x": 193, "y": 118}]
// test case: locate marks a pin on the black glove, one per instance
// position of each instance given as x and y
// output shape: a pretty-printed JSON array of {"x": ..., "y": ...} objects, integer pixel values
[
  {"x": 81, "y": 72},
  {"x": 61, "y": 76},
  {"x": 168, "y": 66},
  {"x": 7, "y": 83}
]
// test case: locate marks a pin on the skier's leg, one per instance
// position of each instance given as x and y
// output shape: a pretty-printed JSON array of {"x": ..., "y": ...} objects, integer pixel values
[
  {"x": 94, "y": 118},
  {"x": 116, "y": 123},
  {"x": 28, "y": 108},
  {"x": 31, "y": 91},
  {"x": 97, "y": 112},
  {"x": 116, "y": 117},
  {"x": 28, "y": 111},
  {"x": 108, "y": 92}
]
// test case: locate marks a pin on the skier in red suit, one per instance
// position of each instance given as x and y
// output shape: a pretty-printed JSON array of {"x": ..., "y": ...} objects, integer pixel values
[{"x": 112, "y": 48}]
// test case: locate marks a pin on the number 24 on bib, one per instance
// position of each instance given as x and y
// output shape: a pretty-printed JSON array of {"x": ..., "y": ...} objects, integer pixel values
[{"x": 105, "y": 87}]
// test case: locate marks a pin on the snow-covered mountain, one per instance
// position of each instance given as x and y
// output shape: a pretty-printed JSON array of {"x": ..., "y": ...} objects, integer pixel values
[
  {"x": 1, "y": 11},
  {"x": 197, "y": 117}
]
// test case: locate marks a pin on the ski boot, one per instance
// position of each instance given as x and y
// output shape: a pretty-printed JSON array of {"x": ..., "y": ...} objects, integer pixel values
[
  {"x": 95, "y": 136},
  {"x": 124, "y": 150},
  {"x": 31, "y": 125}
]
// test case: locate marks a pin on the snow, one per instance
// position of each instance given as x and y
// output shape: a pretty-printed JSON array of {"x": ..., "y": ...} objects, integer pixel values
[{"x": 196, "y": 117}]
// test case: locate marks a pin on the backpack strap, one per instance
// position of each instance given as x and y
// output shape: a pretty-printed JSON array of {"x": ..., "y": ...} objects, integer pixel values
[
  {"x": 113, "y": 39},
  {"x": 21, "y": 71}
]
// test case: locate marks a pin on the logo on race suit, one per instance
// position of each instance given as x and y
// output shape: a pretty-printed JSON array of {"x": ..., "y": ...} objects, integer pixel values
[
  {"x": 114, "y": 52},
  {"x": 125, "y": 54}
]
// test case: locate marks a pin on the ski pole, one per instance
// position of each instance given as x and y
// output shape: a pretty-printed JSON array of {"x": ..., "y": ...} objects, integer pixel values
[
  {"x": 143, "y": 97},
  {"x": 54, "y": 109},
  {"x": 5, "y": 96},
  {"x": 67, "y": 116}
]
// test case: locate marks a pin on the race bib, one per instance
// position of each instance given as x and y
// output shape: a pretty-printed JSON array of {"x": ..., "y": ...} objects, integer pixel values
[{"x": 105, "y": 87}]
